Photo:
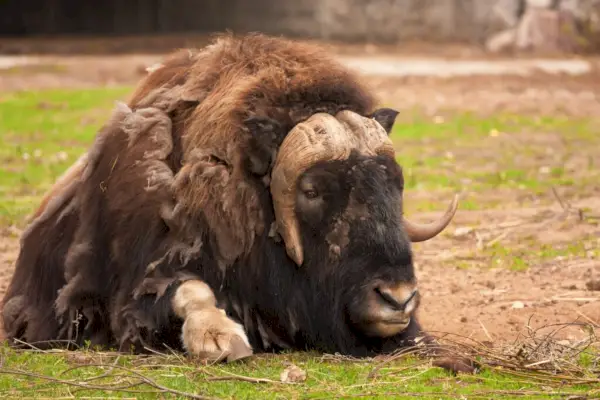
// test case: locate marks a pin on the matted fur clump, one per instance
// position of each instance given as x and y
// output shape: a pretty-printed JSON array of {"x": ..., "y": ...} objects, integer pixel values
[{"x": 231, "y": 82}]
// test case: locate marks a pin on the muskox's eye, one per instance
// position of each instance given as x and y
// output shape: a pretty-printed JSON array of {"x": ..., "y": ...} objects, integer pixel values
[{"x": 311, "y": 194}]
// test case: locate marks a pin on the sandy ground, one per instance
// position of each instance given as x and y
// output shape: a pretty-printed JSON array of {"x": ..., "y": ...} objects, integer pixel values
[{"x": 483, "y": 303}]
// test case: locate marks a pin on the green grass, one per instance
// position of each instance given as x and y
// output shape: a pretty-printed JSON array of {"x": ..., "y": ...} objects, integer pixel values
[
  {"x": 64, "y": 374},
  {"x": 529, "y": 252},
  {"x": 423, "y": 150},
  {"x": 42, "y": 133},
  {"x": 521, "y": 254},
  {"x": 483, "y": 156},
  {"x": 469, "y": 125}
]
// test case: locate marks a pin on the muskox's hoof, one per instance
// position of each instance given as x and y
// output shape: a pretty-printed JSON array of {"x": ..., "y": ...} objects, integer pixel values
[
  {"x": 239, "y": 350},
  {"x": 209, "y": 335}
]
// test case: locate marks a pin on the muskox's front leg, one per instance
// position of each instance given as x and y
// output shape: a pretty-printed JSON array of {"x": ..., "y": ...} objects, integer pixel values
[{"x": 207, "y": 332}]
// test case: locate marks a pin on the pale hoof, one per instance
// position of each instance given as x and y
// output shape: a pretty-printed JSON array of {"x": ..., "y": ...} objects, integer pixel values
[
  {"x": 238, "y": 350},
  {"x": 210, "y": 335}
]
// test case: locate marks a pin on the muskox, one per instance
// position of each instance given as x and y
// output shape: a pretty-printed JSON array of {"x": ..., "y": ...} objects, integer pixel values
[{"x": 246, "y": 199}]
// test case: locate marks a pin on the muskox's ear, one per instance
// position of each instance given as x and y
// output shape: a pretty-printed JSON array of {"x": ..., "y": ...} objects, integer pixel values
[
  {"x": 266, "y": 136},
  {"x": 386, "y": 118}
]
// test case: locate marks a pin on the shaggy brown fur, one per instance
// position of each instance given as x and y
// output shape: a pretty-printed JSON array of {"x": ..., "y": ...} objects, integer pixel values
[
  {"x": 61, "y": 186},
  {"x": 233, "y": 81},
  {"x": 175, "y": 175}
]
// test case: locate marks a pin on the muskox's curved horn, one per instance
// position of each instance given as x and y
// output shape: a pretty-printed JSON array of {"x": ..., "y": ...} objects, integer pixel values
[
  {"x": 321, "y": 137},
  {"x": 421, "y": 232}
]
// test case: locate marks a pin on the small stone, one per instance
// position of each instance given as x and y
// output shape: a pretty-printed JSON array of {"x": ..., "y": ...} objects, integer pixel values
[
  {"x": 590, "y": 254},
  {"x": 438, "y": 119},
  {"x": 501, "y": 41},
  {"x": 593, "y": 284},
  {"x": 62, "y": 156},
  {"x": 490, "y": 285},
  {"x": 494, "y": 133},
  {"x": 292, "y": 374},
  {"x": 569, "y": 286},
  {"x": 454, "y": 288},
  {"x": 545, "y": 170},
  {"x": 518, "y": 305},
  {"x": 463, "y": 319},
  {"x": 462, "y": 231}
]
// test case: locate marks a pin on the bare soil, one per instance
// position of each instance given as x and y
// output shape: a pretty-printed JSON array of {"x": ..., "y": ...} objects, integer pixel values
[
  {"x": 481, "y": 302},
  {"x": 497, "y": 303}
]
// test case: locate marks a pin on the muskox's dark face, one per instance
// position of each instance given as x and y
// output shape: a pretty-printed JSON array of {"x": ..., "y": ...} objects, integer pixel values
[
  {"x": 349, "y": 215},
  {"x": 337, "y": 195}
]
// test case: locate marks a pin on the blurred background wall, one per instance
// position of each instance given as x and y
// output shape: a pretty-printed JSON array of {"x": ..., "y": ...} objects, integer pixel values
[
  {"x": 355, "y": 20},
  {"x": 498, "y": 25}
]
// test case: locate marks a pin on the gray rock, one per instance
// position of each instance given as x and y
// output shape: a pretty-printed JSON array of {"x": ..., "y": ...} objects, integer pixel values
[
  {"x": 502, "y": 41},
  {"x": 538, "y": 30}
]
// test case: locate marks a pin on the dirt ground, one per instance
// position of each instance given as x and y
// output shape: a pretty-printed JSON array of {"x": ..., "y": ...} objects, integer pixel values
[{"x": 483, "y": 303}]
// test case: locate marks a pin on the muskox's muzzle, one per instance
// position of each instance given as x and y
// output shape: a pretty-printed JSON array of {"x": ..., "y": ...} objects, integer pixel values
[{"x": 389, "y": 309}]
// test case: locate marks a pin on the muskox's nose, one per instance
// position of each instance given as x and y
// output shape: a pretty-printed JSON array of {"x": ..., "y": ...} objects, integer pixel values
[{"x": 400, "y": 297}]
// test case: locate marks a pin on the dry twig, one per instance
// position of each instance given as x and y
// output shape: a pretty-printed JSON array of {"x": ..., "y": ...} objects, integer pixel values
[
  {"x": 111, "y": 388},
  {"x": 234, "y": 377},
  {"x": 538, "y": 358}
]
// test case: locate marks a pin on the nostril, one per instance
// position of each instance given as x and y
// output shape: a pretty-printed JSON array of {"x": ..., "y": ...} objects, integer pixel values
[
  {"x": 387, "y": 298},
  {"x": 393, "y": 300}
]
